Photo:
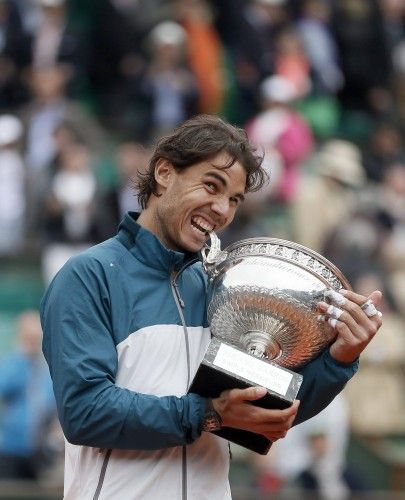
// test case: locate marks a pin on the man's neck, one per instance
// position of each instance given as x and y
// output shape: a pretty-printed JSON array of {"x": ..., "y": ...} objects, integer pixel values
[
  {"x": 149, "y": 220},
  {"x": 146, "y": 220}
]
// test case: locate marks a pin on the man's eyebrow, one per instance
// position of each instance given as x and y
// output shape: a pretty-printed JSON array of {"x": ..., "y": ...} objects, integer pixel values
[
  {"x": 214, "y": 174},
  {"x": 219, "y": 178}
]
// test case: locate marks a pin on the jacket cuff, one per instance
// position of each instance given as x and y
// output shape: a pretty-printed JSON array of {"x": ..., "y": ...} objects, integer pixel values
[
  {"x": 197, "y": 409},
  {"x": 348, "y": 368}
]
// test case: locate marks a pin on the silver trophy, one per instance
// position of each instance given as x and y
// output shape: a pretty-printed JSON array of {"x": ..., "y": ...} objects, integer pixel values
[{"x": 262, "y": 298}]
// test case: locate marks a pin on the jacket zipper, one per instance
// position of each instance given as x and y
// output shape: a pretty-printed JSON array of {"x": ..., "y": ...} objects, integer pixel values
[
  {"x": 102, "y": 475},
  {"x": 180, "y": 306}
]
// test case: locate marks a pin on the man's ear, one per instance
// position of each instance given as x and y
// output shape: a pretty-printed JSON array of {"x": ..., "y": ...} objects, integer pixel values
[{"x": 163, "y": 173}]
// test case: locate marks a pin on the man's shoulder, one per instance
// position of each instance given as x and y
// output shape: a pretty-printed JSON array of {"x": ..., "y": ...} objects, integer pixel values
[
  {"x": 100, "y": 254},
  {"x": 87, "y": 270},
  {"x": 90, "y": 264}
]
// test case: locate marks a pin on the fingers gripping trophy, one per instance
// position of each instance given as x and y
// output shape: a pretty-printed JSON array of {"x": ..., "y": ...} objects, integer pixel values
[{"x": 273, "y": 305}]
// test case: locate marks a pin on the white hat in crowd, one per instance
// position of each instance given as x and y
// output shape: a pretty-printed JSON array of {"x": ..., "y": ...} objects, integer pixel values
[
  {"x": 278, "y": 89},
  {"x": 168, "y": 33},
  {"x": 51, "y": 3},
  {"x": 272, "y": 2},
  {"x": 341, "y": 160},
  {"x": 11, "y": 129}
]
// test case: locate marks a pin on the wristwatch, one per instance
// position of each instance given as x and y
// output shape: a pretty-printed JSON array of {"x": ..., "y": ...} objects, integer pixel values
[{"x": 212, "y": 419}]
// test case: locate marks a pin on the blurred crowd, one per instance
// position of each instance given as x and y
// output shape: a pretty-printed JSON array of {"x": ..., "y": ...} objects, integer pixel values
[{"x": 86, "y": 88}]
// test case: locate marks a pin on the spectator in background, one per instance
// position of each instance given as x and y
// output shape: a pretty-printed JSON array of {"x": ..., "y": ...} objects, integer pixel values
[
  {"x": 111, "y": 205},
  {"x": 393, "y": 12},
  {"x": 30, "y": 12},
  {"x": 68, "y": 209},
  {"x": 42, "y": 115},
  {"x": 247, "y": 31},
  {"x": 291, "y": 61},
  {"x": 284, "y": 137},
  {"x": 144, "y": 14},
  {"x": 327, "y": 197},
  {"x": 69, "y": 197},
  {"x": 320, "y": 47},
  {"x": 376, "y": 230},
  {"x": 323, "y": 480},
  {"x": 391, "y": 214},
  {"x": 373, "y": 231},
  {"x": 65, "y": 136},
  {"x": 318, "y": 462},
  {"x": 48, "y": 108},
  {"x": 380, "y": 383},
  {"x": 268, "y": 18},
  {"x": 116, "y": 60},
  {"x": 14, "y": 56},
  {"x": 12, "y": 187},
  {"x": 55, "y": 41},
  {"x": 394, "y": 21},
  {"x": 399, "y": 80},
  {"x": 208, "y": 64},
  {"x": 280, "y": 127},
  {"x": 366, "y": 64},
  {"x": 385, "y": 146},
  {"x": 27, "y": 402},
  {"x": 168, "y": 85}
]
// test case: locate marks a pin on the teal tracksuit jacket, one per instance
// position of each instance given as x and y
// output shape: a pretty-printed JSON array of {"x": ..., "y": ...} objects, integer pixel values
[{"x": 121, "y": 360}]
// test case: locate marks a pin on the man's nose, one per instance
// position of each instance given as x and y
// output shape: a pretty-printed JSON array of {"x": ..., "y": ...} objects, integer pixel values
[{"x": 221, "y": 206}]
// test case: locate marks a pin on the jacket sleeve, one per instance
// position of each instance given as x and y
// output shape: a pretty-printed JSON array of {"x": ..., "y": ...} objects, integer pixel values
[
  {"x": 80, "y": 350},
  {"x": 323, "y": 379}
]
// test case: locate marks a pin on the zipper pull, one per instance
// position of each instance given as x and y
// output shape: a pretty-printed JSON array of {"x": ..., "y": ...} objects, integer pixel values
[{"x": 181, "y": 302}]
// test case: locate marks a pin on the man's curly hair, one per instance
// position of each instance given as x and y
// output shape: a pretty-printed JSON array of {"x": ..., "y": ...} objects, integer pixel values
[{"x": 197, "y": 140}]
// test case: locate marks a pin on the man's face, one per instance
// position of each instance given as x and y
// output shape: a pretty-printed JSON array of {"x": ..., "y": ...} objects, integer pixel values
[{"x": 199, "y": 199}]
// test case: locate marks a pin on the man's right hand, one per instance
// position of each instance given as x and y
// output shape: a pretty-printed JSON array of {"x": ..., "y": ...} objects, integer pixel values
[{"x": 236, "y": 411}]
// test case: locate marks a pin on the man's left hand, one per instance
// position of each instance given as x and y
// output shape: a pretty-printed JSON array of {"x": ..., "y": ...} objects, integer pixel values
[{"x": 356, "y": 319}]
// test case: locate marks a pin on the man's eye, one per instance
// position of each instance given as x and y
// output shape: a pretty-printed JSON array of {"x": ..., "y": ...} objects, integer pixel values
[
  {"x": 211, "y": 186},
  {"x": 234, "y": 201}
]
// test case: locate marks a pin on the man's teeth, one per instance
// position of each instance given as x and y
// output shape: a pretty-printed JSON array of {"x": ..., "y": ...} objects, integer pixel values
[{"x": 202, "y": 225}]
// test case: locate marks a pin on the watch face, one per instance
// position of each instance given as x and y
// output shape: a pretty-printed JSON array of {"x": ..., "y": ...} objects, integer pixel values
[{"x": 212, "y": 422}]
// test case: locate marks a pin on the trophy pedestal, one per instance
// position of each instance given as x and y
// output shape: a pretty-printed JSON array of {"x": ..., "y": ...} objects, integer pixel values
[{"x": 227, "y": 367}]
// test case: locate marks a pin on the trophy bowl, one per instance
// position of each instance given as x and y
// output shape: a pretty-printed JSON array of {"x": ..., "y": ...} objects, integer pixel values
[{"x": 262, "y": 298}]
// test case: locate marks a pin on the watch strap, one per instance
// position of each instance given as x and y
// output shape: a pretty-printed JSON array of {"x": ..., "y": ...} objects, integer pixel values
[{"x": 212, "y": 420}]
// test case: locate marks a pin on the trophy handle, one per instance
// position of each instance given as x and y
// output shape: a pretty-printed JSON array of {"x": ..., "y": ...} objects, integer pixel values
[{"x": 212, "y": 255}]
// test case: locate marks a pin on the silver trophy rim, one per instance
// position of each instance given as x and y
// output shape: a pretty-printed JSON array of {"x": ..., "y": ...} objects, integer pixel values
[{"x": 296, "y": 246}]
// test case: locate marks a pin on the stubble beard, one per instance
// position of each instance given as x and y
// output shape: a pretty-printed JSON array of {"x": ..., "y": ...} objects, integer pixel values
[{"x": 162, "y": 223}]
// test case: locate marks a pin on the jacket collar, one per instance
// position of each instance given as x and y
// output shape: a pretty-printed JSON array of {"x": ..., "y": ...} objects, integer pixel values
[{"x": 148, "y": 249}]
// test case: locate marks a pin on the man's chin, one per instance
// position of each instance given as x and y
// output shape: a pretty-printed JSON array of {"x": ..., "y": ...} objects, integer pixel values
[{"x": 193, "y": 246}]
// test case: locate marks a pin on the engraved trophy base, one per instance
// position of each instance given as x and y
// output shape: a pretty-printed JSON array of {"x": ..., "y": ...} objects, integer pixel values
[{"x": 227, "y": 367}]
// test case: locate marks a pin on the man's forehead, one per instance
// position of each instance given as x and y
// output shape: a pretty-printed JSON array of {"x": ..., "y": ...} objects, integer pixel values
[{"x": 229, "y": 170}]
